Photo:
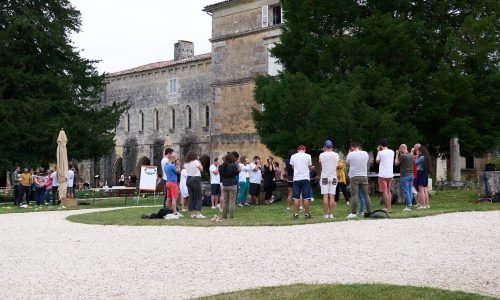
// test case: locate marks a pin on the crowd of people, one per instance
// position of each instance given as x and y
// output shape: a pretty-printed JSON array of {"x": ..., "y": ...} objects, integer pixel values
[
  {"x": 237, "y": 181},
  {"x": 39, "y": 186}
]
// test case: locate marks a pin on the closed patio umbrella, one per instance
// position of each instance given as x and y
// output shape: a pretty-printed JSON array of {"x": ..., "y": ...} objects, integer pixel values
[{"x": 62, "y": 164}]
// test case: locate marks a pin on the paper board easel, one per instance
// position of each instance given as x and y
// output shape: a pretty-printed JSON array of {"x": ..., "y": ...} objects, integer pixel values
[{"x": 148, "y": 181}]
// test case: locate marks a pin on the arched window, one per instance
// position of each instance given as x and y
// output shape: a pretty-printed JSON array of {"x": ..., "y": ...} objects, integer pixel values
[
  {"x": 127, "y": 124},
  {"x": 172, "y": 119},
  {"x": 207, "y": 116},
  {"x": 189, "y": 117},
  {"x": 141, "y": 121},
  {"x": 156, "y": 121}
]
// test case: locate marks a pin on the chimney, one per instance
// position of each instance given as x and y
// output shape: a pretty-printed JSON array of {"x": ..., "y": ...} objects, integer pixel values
[{"x": 183, "y": 50}]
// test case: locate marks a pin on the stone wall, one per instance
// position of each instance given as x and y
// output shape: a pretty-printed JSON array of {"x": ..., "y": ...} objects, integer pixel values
[{"x": 147, "y": 92}]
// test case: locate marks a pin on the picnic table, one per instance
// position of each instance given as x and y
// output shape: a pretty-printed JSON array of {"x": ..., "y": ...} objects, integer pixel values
[{"x": 115, "y": 191}]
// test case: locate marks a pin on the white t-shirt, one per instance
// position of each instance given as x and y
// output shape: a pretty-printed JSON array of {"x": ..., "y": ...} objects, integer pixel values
[
  {"x": 301, "y": 163},
  {"x": 329, "y": 161},
  {"x": 164, "y": 161},
  {"x": 386, "y": 158},
  {"x": 71, "y": 178},
  {"x": 244, "y": 173},
  {"x": 54, "y": 179},
  {"x": 358, "y": 163},
  {"x": 214, "y": 178},
  {"x": 192, "y": 168},
  {"x": 255, "y": 174}
]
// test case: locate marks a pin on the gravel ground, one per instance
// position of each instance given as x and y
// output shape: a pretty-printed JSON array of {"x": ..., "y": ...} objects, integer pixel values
[{"x": 43, "y": 256}]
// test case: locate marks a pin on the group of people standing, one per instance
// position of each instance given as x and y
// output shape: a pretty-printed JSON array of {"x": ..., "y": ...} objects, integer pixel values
[
  {"x": 236, "y": 182},
  {"x": 40, "y": 186}
]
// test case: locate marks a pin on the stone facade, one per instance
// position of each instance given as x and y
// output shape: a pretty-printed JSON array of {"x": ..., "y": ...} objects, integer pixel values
[
  {"x": 195, "y": 103},
  {"x": 240, "y": 51}
]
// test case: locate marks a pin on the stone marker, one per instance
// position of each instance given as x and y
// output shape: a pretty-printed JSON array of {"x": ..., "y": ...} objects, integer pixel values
[{"x": 455, "y": 160}]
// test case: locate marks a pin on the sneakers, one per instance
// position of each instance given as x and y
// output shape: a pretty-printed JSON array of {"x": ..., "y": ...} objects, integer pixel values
[
  {"x": 218, "y": 205},
  {"x": 421, "y": 207},
  {"x": 171, "y": 217},
  {"x": 200, "y": 216},
  {"x": 246, "y": 204},
  {"x": 351, "y": 216},
  {"x": 288, "y": 209},
  {"x": 272, "y": 199},
  {"x": 331, "y": 216},
  {"x": 407, "y": 208},
  {"x": 327, "y": 216},
  {"x": 240, "y": 205},
  {"x": 308, "y": 216},
  {"x": 184, "y": 209},
  {"x": 296, "y": 216},
  {"x": 213, "y": 207},
  {"x": 179, "y": 214},
  {"x": 347, "y": 203},
  {"x": 388, "y": 210}
]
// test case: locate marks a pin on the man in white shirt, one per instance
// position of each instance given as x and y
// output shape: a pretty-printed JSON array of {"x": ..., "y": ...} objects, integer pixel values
[
  {"x": 71, "y": 180},
  {"x": 255, "y": 180},
  {"x": 357, "y": 161},
  {"x": 385, "y": 159},
  {"x": 301, "y": 163},
  {"x": 215, "y": 183},
  {"x": 55, "y": 187},
  {"x": 328, "y": 180}
]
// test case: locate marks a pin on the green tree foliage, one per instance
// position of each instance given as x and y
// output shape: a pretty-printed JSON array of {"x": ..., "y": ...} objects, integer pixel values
[
  {"x": 406, "y": 70},
  {"x": 45, "y": 85}
]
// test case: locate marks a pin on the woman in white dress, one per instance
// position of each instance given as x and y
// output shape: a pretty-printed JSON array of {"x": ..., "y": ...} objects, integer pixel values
[{"x": 184, "y": 190}]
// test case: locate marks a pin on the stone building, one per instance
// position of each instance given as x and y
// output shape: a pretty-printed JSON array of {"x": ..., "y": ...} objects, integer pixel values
[{"x": 197, "y": 103}]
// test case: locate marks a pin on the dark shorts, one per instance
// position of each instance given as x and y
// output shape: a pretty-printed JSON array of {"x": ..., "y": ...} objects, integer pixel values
[
  {"x": 254, "y": 189},
  {"x": 422, "y": 179},
  {"x": 215, "y": 189},
  {"x": 302, "y": 187}
]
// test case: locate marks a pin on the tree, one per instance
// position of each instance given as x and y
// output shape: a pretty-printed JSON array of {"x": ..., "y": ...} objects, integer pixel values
[
  {"x": 45, "y": 85},
  {"x": 405, "y": 70}
]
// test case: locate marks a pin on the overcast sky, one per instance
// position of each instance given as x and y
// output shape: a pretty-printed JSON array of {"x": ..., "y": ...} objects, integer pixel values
[{"x": 129, "y": 33}]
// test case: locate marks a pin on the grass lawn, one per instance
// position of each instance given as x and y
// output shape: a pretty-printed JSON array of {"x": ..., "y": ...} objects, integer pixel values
[
  {"x": 353, "y": 291},
  {"x": 84, "y": 203},
  {"x": 276, "y": 214}
]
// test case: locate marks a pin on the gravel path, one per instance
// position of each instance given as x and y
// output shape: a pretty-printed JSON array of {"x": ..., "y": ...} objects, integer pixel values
[{"x": 43, "y": 256}]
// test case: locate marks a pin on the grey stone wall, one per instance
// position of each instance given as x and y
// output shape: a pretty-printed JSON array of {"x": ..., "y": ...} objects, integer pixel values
[{"x": 147, "y": 92}]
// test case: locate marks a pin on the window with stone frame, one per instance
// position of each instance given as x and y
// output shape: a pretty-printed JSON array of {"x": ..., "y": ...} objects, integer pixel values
[
  {"x": 172, "y": 86},
  {"x": 189, "y": 117},
  {"x": 156, "y": 121},
  {"x": 141, "y": 121},
  {"x": 271, "y": 15},
  {"x": 127, "y": 122},
  {"x": 172, "y": 118},
  {"x": 207, "y": 116}
]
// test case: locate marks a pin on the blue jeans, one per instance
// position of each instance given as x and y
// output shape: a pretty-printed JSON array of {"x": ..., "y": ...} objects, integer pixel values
[
  {"x": 406, "y": 183},
  {"x": 302, "y": 187},
  {"x": 47, "y": 195},
  {"x": 40, "y": 195},
  {"x": 361, "y": 201}
]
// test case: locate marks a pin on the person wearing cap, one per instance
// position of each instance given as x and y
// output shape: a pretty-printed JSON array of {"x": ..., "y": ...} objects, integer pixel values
[
  {"x": 357, "y": 160},
  {"x": 328, "y": 180},
  {"x": 301, "y": 163}
]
